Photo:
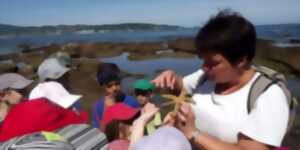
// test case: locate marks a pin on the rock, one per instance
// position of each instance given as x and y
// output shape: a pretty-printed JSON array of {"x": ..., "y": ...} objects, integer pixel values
[
  {"x": 10, "y": 56},
  {"x": 87, "y": 65},
  {"x": 295, "y": 41},
  {"x": 143, "y": 47},
  {"x": 32, "y": 58},
  {"x": 186, "y": 45},
  {"x": 282, "y": 59},
  {"x": 48, "y": 50},
  {"x": 7, "y": 67},
  {"x": 24, "y": 48},
  {"x": 91, "y": 50},
  {"x": 27, "y": 71},
  {"x": 72, "y": 49}
]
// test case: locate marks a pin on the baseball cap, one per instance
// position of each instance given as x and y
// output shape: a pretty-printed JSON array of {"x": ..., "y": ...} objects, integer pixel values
[
  {"x": 119, "y": 111},
  {"x": 51, "y": 68},
  {"x": 144, "y": 84},
  {"x": 165, "y": 138},
  {"x": 55, "y": 92},
  {"x": 13, "y": 81},
  {"x": 63, "y": 58}
]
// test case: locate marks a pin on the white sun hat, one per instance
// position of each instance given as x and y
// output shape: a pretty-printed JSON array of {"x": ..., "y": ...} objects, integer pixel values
[
  {"x": 51, "y": 68},
  {"x": 14, "y": 81},
  {"x": 54, "y": 92}
]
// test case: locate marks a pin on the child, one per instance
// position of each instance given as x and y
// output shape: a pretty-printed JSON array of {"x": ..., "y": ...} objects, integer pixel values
[
  {"x": 118, "y": 120},
  {"x": 44, "y": 111},
  {"x": 13, "y": 88},
  {"x": 144, "y": 92},
  {"x": 108, "y": 76}
]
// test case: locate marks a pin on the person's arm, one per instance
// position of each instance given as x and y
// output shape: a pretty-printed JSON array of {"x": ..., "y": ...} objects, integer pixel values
[
  {"x": 186, "y": 124},
  {"x": 208, "y": 142},
  {"x": 139, "y": 124}
]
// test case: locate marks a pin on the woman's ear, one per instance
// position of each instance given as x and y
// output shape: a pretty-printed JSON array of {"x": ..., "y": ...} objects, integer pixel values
[{"x": 242, "y": 63}]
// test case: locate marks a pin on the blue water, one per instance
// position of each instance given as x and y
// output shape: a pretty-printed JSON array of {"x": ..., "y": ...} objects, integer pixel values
[
  {"x": 9, "y": 44},
  {"x": 182, "y": 66},
  {"x": 278, "y": 33}
]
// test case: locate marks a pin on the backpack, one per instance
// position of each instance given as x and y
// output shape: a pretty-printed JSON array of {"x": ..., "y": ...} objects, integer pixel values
[
  {"x": 72, "y": 137},
  {"x": 266, "y": 78}
]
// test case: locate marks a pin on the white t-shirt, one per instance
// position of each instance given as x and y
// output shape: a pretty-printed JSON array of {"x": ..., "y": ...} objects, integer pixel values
[{"x": 224, "y": 116}]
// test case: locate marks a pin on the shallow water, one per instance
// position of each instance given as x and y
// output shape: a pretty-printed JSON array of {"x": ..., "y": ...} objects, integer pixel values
[{"x": 182, "y": 66}]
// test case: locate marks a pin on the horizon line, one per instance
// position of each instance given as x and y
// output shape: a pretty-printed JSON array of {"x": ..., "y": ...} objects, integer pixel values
[{"x": 132, "y": 23}]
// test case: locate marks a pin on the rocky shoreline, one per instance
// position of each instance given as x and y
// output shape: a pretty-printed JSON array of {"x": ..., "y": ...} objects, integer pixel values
[
  {"x": 282, "y": 59},
  {"x": 86, "y": 57}
]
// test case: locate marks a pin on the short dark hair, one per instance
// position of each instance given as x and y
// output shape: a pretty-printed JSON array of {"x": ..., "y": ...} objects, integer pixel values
[
  {"x": 227, "y": 33},
  {"x": 108, "y": 72}
]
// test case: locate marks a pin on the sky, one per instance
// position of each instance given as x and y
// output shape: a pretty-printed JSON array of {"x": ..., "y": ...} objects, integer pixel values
[{"x": 188, "y": 13}]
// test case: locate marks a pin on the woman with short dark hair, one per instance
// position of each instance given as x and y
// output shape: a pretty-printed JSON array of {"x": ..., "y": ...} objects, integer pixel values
[{"x": 219, "y": 119}]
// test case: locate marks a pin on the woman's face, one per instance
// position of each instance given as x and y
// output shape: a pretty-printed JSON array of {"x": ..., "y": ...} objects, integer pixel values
[{"x": 218, "y": 69}]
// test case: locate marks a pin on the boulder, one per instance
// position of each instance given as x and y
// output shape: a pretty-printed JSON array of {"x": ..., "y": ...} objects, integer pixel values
[{"x": 7, "y": 67}]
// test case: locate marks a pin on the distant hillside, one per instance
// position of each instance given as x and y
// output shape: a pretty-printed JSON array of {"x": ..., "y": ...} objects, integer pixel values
[{"x": 59, "y": 29}]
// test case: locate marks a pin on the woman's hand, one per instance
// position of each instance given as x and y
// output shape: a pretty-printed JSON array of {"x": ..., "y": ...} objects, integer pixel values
[
  {"x": 168, "y": 79},
  {"x": 169, "y": 119},
  {"x": 186, "y": 120}
]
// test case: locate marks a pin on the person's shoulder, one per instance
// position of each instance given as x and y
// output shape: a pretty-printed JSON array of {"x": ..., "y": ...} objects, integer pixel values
[
  {"x": 274, "y": 90},
  {"x": 190, "y": 81},
  {"x": 197, "y": 73},
  {"x": 273, "y": 95}
]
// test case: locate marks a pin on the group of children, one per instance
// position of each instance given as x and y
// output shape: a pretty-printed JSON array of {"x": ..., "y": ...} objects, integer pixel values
[
  {"x": 116, "y": 112},
  {"x": 27, "y": 108}
]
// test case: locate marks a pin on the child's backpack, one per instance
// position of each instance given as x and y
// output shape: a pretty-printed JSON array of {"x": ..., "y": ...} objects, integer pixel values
[{"x": 72, "y": 137}]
